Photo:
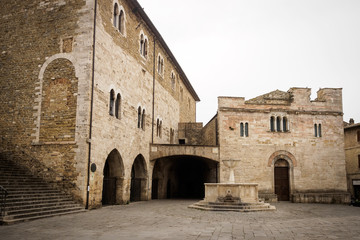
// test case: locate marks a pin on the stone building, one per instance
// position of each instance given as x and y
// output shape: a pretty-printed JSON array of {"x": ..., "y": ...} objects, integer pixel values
[
  {"x": 352, "y": 157},
  {"x": 88, "y": 85},
  {"x": 94, "y": 102},
  {"x": 291, "y": 146}
]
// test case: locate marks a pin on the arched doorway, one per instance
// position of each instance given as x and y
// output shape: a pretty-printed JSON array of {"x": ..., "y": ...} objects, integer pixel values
[
  {"x": 113, "y": 179},
  {"x": 182, "y": 177},
  {"x": 281, "y": 180},
  {"x": 138, "y": 188}
]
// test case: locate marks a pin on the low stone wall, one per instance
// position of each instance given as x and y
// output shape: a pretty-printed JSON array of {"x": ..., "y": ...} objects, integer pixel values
[
  {"x": 268, "y": 197},
  {"x": 337, "y": 197},
  {"x": 246, "y": 192}
]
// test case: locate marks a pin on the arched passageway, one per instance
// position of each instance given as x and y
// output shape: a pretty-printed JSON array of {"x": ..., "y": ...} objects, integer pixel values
[
  {"x": 182, "y": 177},
  {"x": 113, "y": 179},
  {"x": 138, "y": 189},
  {"x": 281, "y": 179}
]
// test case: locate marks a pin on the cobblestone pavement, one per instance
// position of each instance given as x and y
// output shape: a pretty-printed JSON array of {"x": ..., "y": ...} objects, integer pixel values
[{"x": 171, "y": 219}]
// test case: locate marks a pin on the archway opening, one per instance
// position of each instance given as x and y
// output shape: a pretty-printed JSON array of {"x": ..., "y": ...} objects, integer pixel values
[
  {"x": 138, "y": 188},
  {"x": 113, "y": 179},
  {"x": 281, "y": 180},
  {"x": 183, "y": 177}
]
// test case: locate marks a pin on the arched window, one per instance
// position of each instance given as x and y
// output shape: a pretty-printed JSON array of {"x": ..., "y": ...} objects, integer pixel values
[
  {"x": 315, "y": 129},
  {"x": 117, "y": 106},
  {"x": 142, "y": 44},
  {"x": 278, "y": 124},
  {"x": 145, "y": 48},
  {"x": 172, "y": 80},
  {"x": 139, "y": 117},
  {"x": 285, "y": 122},
  {"x": 121, "y": 26},
  {"x": 143, "y": 119},
  {"x": 157, "y": 127},
  {"x": 246, "y": 129},
  {"x": 159, "y": 66},
  {"x": 319, "y": 130},
  {"x": 162, "y": 66},
  {"x": 241, "y": 129},
  {"x": 272, "y": 124},
  {"x": 112, "y": 99},
  {"x": 115, "y": 15}
]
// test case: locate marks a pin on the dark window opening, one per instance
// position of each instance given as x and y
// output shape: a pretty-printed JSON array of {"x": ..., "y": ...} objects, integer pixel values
[
  {"x": 116, "y": 11},
  {"x": 241, "y": 129},
  {"x": 315, "y": 129},
  {"x": 121, "y": 22},
  {"x": 139, "y": 117},
  {"x": 358, "y": 161},
  {"x": 246, "y": 129},
  {"x": 181, "y": 141},
  {"x": 143, "y": 120},
  {"x": 112, "y": 99},
  {"x": 278, "y": 124},
  {"x": 319, "y": 130},
  {"x": 272, "y": 124},
  {"x": 285, "y": 129},
  {"x": 117, "y": 106},
  {"x": 358, "y": 136}
]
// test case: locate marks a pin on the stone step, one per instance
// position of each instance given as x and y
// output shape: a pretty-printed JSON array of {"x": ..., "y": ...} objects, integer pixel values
[
  {"x": 12, "y": 196},
  {"x": 14, "y": 192},
  {"x": 238, "y": 207},
  {"x": 31, "y": 202},
  {"x": 36, "y": 198},
  {"x": 22, "y": 211},
  {"x": 45, "y": 215},
  {"x": 231, "y": 209},
  {"x": 40, "y": 205}
]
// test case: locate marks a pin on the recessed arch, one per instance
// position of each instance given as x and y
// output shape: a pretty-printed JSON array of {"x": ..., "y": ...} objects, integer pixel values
[
  {"x": 282, "y": 154},
  {"x": 139, "y": 179},
  {"x": 113, "y": 179}
]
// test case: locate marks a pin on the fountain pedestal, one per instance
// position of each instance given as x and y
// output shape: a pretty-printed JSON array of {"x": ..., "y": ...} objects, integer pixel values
[{"x": 231, "y": 196}]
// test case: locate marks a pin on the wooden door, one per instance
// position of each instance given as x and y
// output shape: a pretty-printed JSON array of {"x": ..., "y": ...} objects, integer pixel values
[
  {"x": 282, "y": 189},
  {"x": 135, "y": 191},
  {"x": 109, "y": 190}
]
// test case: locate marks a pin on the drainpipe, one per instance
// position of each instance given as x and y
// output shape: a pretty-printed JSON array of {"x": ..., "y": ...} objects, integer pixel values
[
  {"x": 153, "y": 97},
  {"x": 91, "y": 108}
]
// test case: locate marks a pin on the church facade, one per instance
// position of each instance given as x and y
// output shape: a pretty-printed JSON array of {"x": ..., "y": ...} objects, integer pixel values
[{"x": 94, "y": 102}]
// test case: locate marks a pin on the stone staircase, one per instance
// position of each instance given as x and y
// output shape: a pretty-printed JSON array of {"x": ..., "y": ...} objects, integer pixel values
[
  {"x": 29, "y": 197},
  {"x": 230, "y": 206}
]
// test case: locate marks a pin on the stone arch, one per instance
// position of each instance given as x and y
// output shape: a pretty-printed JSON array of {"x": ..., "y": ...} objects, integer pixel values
[
  {"x": 282, "y": 154},
  {"x": 63, "y": 57},
  {"x": 139, "y": 179},
  {"x": 282, "y": 161},
  {"x": 59, "y": 87},
  {"x": 182, "y": 176},
  {"x": 113, "y": 179}
]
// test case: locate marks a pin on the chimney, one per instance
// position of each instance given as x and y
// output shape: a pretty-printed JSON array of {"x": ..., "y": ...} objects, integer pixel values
[{"x": 351, "y": 121}]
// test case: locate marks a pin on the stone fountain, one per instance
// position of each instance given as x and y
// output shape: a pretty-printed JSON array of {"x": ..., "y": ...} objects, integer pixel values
[{"x": 231, "y": 196}]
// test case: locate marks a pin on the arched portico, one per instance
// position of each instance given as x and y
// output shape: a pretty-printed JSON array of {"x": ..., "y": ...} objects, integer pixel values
[
  {"x": 139, "y": 180},
  {"x": 113, "y": 180},
  {"x": 182, "y": 176}
]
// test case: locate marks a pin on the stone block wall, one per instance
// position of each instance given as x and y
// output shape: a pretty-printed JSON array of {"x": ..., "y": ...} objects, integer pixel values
[{"x": 316, "y": 164}]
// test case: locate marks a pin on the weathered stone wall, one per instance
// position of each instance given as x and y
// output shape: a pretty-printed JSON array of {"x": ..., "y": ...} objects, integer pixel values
[
  {"x": 352, "y": 151},
  {"x": 210, "y": 132},
  {"x": 191, "y": 133},
  {"x": 45, "y": 62},
  {"x": 119, "y": 66},
  {"x": 317, "y": 164}
]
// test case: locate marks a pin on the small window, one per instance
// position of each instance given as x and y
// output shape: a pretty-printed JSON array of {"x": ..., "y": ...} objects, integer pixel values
[
  {"x": 142, "y": 44},
  {"x": 143, "y": 120},
  {"x": 117, "y": 105},
  {"x": 317, "y": 130},
  {"x": 358, "y": 136},
  {"x": 246, "y": 129},
  {"x": 241, "y": 129},
  {"x": 157, "y": 127},
  {"x": 121, "y": 26},
  {"x": 172, "y": 81},
  {"x": 285, "y": 122},
  {"x": 160, "y": 129},
  {"x": 112, "y": 99},
  {"x": 115, "y": 15},
  {"x": 358, "y": 161},
  {"x": 272, "y": 124},
  {"x": 139, "y": 117},
  {"x": 160, "y": 65},
  {"x": 181, "y": 94},
  {"x": 145, "y": 48}
]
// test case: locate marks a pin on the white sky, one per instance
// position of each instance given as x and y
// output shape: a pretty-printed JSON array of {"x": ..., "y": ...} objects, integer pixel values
[{"x": 247, "y": 48}]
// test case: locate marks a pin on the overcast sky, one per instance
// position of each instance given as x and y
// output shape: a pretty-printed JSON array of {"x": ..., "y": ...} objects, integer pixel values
[{"x": 247, "y": 48}]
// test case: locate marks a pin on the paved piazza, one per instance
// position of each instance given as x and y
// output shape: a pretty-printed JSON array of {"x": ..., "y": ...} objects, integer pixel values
[{"x": 171, "y": 219}]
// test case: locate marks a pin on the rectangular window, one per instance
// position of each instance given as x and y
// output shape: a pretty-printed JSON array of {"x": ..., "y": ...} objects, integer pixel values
[
  {"x": 358, "y": 161},
  {"x": 358, "y": 136}
]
